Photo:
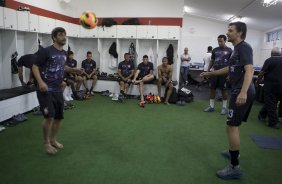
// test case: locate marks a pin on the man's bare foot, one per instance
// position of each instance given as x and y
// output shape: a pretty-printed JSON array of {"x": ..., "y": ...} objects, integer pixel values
[
  {"x": 56, "y": 144},
  {"x": 166, "y": 103},
  {"x": 50, "y": 150}
]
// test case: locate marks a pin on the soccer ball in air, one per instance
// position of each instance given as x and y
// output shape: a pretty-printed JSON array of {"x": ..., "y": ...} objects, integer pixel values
[{"x": 88, "y": 20}]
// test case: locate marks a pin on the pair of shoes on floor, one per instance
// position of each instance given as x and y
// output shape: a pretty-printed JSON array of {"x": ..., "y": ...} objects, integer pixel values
[
  {"x": 181, "y": 103},
  {"x": 212, "y": 109},
  {"x": 19, "y": 118},
  {"x": 106, "y": 93}
]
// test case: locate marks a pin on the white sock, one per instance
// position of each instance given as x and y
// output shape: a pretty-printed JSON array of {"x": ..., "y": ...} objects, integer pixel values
[
  {"x": 212, "y": 103},
  {"x": 224, "y": 103}
]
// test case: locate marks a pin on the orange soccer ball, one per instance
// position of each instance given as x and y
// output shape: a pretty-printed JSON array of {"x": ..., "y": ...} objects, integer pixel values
[{"x": 88, "y": 20}]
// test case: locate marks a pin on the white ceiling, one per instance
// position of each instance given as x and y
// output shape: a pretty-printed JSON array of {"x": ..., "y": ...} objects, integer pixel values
[{"x": 256, "y": 16}]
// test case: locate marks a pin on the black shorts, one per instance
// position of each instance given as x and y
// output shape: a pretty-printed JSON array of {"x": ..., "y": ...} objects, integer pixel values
[
  {"x": 237, "y": 114},
  {"x": 126, "y": 82},
  {"x": 218, "y": 82},
  {"x": 91, "y": 77},
  {"x": 51, "y": 104}
]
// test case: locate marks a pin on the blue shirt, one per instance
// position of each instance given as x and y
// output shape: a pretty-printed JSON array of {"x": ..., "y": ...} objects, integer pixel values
[
  {"x": 71, "y": 63},
  {"x": 221, "y": 56},
  {"x": 126, "y": 68},
  {"x": 88, "y": 66},
  {"x": 51, "y": 62},
  {"x": 145, "y": 68}
]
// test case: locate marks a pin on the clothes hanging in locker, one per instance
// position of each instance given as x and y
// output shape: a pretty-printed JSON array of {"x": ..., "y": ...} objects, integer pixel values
[
  {"x": 169, "y": 54},
  {"x": 132, "y": 53},
  {"x": 114, "y": 56}
]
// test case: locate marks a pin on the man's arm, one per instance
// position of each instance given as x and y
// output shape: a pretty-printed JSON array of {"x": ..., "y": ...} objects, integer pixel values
[
  {"x": 20, "y": 69},
  {"x": 210, "y": 65},
  {"x": 42, "y": 85},
  {"x": 159, "y": 72},
  {"x": 73, "y": 70},
  {"x": 223, "y": 71},
  {"x": 248, "y": 77},
  {"x": 120, "y": 75}
]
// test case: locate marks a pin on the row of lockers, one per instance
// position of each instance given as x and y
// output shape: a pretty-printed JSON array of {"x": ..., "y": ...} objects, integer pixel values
[{"x": 25, "y": 21}]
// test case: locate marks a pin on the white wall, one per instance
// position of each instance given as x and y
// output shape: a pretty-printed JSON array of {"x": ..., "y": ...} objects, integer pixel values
[
  {"x": 113, "y": 8},
  {"x": 198, "y": 33}
]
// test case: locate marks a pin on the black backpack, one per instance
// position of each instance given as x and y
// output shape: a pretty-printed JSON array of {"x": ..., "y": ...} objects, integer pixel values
[
  {"x": 108, "y": 22},
  {"x": 185, "y": 94},
  {"x": 174, "y": 96}
]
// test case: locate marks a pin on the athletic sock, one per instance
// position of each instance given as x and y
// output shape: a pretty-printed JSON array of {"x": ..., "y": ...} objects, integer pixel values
[
  {"x": 91, "y": 89},
  {"x": 224, "y": 103},
  {"x": 212, "y": 103},
  {"x": 234, "y": 157}
]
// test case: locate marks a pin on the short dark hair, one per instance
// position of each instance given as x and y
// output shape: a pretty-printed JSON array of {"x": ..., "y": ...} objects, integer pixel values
[
  {"x": 145, "y": 56},
  {"x": 57, "y": 30},
  {"x": 164, "y": 58},
  {"x": 222, "y": 36},
  {"x": 125, "y": 54},
  {"x": 89, "y": 52},
  {"x": 209, "y": 48},
  {"x": 240, "y": 27},
  {"x": 70, "y": 53}
]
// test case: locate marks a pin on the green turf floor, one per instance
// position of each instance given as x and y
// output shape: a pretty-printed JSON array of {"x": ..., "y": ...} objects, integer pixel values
[{"x": 108, "y": 142}]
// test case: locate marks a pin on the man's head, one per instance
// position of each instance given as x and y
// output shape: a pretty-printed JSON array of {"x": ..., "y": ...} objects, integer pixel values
[
  {"x": 276, "y": 51},
  {"x": 165, "y": 61},
  {"x": 89, "y": 55},
  {"x": 145, "y": 59},
  {"x": 70, "y": 55},
  {"x": 236, "y": 31},
  {"x": 59, "y": 36},
  {"x": 186, "y": 50},
  {"x": 209, "y": 48},
  {"x": 221, "y": 40},
  {"x": 126, "y": 57}
]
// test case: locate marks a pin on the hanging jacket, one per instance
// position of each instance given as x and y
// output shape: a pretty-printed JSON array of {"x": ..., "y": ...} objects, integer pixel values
[
  {"x": 113, "y": 50},
  {"x": 169, "y": 54},
  {"x": 132, "y": 53}
]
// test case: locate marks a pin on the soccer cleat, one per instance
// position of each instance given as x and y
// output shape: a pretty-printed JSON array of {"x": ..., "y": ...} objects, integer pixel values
[
  {"x": 157, "y": 99},
  {"x": 142, "y": 103},
  {"x": 223, "y": 111},
  {"x": 209, "y": 109},
  {"x": 230, "y": 172},
  {"x": 148, "y": 97}
]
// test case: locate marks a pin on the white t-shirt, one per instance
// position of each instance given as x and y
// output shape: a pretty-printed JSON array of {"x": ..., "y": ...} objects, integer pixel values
[
  {"x": 207, "y": 60},
  {"x": 186, "y": 61}
]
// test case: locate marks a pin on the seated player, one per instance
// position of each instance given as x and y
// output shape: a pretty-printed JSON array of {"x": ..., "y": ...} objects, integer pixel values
[
  {"x": 165, "y": 78},
  {"x": 72, "y": 79},
  {"x": 143, "y": 74},
  {"x": 89, "y": 73},
  {"x": 125, "y": 72},
  {"x": 26, "y": 61}
]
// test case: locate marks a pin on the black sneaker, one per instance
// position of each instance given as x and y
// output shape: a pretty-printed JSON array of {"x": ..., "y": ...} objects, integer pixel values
[{"x": 230, "y": 172}]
